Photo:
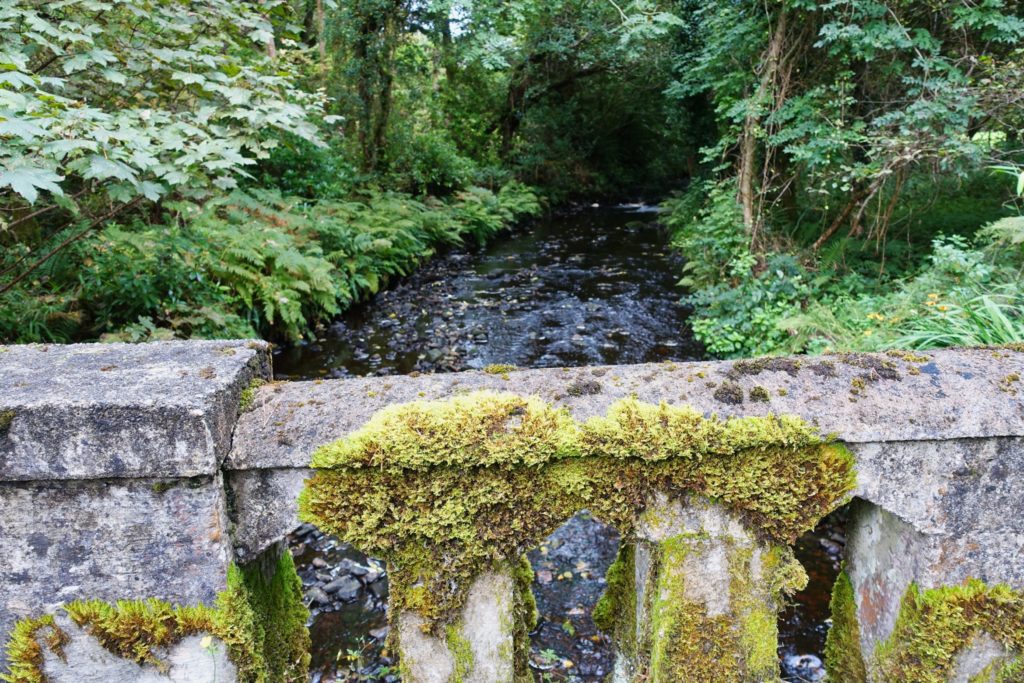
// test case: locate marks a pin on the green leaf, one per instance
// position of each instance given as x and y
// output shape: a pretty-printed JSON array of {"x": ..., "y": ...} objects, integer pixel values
[
  {"x": 101, "y": 168},
  {"x": 27, "y": 182}
]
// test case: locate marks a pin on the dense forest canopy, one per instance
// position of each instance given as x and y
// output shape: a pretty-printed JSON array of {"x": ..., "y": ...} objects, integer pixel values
[{"x": 252, "y": 167}]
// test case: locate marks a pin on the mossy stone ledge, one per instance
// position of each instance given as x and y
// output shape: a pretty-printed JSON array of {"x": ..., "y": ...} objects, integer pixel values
[{"x": 446, "y": 491}]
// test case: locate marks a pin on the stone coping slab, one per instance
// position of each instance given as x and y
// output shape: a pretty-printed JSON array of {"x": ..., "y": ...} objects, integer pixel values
[
  {"x": 862, "y": 398},
  {"x": 98, "y": 411}
]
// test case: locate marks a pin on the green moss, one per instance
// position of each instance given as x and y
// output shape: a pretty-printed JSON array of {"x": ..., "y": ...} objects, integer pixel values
[
  {"x": 687, "y": 643},
  {"x": 759, "y": 394},
  {"x": 1007, "y": 384},
  {"x": 499, "y": 369},
  {"x": 741, "y": 644},
  {"x": 935, "y": 625},
  {"x": 248, "y": 397},
  {"x": 25, "y": 649},
  {"x": 445, "y": 490},
  {"x": 908, "y": 356},
  {"x": 586, "y": 387},
  {"x": 756, "y": 366},
  {"x": 462, "y": 652},
  {"x": 843, "y": 657},
  {"x": 6, "y": 418},
  {"x": 730, "y": 393},
  {"x": 615, "y": 612},
  {"x": 259, "y": 617},
  {"x": 274, "y": 592},
  {"x": 525, "y": 616}
]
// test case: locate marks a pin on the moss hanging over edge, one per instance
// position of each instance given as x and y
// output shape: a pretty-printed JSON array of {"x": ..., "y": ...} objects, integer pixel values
[
  {"x": 935, "y": 625},
  {"x": 274, "y": 592},
  {"x": 260, "y": 619},
  {"x": 615, "y": 611},
  {"x": 843, "y": 657},
  {"x": 444, "y": 489}
]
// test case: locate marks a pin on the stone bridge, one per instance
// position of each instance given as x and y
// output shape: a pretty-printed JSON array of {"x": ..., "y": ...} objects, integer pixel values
[{"x": 171, "y": 471}]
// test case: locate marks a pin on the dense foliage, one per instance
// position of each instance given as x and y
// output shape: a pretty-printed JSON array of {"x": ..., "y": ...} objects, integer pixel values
[
  {"x": 237, "y": 167},
  {"x": 848, "y": 173}
]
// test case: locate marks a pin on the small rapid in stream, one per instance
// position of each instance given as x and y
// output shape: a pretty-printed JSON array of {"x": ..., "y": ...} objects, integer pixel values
[{"x": 594, "y": 286}]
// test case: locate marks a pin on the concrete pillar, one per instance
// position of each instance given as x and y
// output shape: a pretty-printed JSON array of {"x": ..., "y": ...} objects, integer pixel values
[
  {"x": 943, "y": 535},
  {"x": 704, "y": 598},
  {"x": 896, "y": 582},
  {"x": 485, "y": 644}
]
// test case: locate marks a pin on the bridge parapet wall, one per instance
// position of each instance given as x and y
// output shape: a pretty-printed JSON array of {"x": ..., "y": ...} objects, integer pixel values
[{"x": 131, "y": 472}]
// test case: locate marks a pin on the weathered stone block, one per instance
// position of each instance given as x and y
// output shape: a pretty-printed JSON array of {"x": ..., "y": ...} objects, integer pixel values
[
  {"x": 478, "y": 648},
  {"x": 109, "y": 540},
  {"x": 115, "y": 411}
]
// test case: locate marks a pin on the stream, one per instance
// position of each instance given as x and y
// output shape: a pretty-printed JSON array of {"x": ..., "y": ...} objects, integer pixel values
[{"x": 592, "y": 286}]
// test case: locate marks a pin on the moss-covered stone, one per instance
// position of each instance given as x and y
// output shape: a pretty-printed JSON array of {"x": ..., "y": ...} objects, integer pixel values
[
  {"x": 248, "y": 397},
  {"x": 461, "y": 651},
  {"x": 445, "y": 490},
  {"x": 843, "y": 657},
  {"x": 759, "y": 394},
  {"x": 615, "y": 612},
  {"x": 6, "y": 419},
  {"x": 259, "y": 617},
  {"x": 936, "y": 625},
  {"x": 25, "y": 649},
  {"x": 274, "y": 592},
  {"x": 525, "y": 615},
  {"x": 739, "y": 644}
]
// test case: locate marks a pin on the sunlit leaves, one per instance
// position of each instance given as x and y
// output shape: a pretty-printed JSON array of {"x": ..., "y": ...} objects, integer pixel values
[{"x": 139, "y": 96}]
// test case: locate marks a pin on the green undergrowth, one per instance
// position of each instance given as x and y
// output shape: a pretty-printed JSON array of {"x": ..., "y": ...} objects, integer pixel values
[
  {"x": 936, "y": 625},
  {"x": 259, "y": 617},
  {"x": 246, "y": 264},
  {"x": 444, "y": 490}
]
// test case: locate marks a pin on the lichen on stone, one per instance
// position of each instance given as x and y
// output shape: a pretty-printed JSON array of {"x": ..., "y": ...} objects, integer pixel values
[
  {"x": 843, "y": 657},
  {"x": 259, "y": 617},
  {"x": 445, "y": 490},
  {"x": 934, "y": 626}
]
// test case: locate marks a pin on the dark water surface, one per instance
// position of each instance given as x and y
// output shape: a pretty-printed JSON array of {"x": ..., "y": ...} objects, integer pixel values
[{"x": 594, "y": 286}]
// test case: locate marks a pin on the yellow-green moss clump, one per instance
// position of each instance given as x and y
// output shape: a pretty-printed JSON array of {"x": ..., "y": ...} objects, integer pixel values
[
  {"x": 260, "y": 618},
  {"x": 843, "y": 657},
  {"x": 247, "y": 399},
  {"x": 444, "y": 490},
  {"x": 615, "y": 612},
  {"x": 935, "y": 625},
  {"x": 25, "y": 649}
]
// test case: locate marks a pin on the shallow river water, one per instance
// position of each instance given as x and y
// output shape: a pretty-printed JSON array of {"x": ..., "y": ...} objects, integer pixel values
[{"x": 593, "y": 286}]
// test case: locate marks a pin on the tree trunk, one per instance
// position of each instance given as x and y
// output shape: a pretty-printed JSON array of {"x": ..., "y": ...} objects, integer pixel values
[{"x": 748, "y": 139}]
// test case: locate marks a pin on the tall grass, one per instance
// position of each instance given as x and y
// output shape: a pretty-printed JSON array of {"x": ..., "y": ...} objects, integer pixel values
[{"x": 991, "y": 318}]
